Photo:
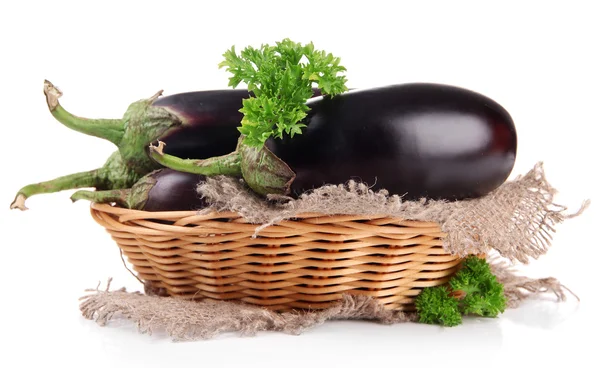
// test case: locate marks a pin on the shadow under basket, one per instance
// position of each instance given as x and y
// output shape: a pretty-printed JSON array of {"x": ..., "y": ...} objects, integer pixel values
[{"x": 307, "y": 262}]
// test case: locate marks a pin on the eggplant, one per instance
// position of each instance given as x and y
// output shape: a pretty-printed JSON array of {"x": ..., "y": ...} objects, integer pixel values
[
  {"x": 161, "y": 190},
  {"x": 416, "y": 140},
  {"x": 195, "y": 124},
  {"x": 210, "y": 121}
]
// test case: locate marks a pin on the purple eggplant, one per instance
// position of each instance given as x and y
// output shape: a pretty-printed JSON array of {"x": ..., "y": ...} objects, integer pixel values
[
  {"x": 173, "y": 191},
  {"x": 160, "y": 190},
  {"x": 415, "y": 140},
  {"x": 196, "y": 124},
  {"x": 210, "y": 121}
]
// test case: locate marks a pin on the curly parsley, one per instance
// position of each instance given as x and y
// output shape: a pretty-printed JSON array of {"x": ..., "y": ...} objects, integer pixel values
[
  {"x": 480, "y": 294},
  {"x": 484, "y": 295},
  {"x": 281, "y": 78},
  {"x": 436, "y": 306}
]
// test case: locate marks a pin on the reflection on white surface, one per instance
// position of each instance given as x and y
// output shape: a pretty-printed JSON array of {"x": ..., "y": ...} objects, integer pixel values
[
  {"x": 357, "y": 342},
  {"x": 542, "y": 314}
]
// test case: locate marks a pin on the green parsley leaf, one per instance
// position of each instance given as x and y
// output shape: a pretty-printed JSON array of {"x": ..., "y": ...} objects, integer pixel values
[
  {"x": 484, "y": 294},
  {"x": 436, "y": 306},
  {"x": 281, "y": 78}
]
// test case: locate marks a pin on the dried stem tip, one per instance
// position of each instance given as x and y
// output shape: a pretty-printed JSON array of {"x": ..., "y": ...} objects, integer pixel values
[
  {"x": 19, "y": 203},
  {"x": 158, "y": 149},
  {"x": 52, "y": 95}
]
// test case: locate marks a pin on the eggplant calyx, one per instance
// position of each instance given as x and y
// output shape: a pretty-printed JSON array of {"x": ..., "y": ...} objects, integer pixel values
[
  {"x": 19, "y": 202},
  {"x": 144, "y": 124},
  {"x": 139, "y": 194},
  {"x": 264, "y": 172}
]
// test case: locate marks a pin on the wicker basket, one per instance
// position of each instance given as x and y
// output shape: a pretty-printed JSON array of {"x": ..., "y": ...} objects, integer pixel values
[{"x": 304, "y": 263}]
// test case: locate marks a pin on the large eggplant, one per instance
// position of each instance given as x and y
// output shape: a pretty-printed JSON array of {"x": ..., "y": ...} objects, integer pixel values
[{"x": 417, "y": 140}]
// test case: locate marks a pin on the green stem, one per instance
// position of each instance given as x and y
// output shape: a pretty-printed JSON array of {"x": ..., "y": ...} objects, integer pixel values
[
  {"x": 73, "y": 181},
  {"x": 109, "y": 129},
  {"x": 119, "y": 196},
  {"x": 229, "y": 164}
]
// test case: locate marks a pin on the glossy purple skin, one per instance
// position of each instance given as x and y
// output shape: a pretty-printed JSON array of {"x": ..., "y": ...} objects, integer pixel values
[
  {"x": 414, "y": 140},
  {"x": 174, "y": 191},
  {"x": 210, "y": 122}
]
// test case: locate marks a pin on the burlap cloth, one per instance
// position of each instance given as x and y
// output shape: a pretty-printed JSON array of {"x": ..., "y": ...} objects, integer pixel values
[{"x": 515, "y": 222}]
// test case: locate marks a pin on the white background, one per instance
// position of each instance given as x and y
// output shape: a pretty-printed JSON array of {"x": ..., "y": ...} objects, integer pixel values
[{"x": 538, "y": 59}]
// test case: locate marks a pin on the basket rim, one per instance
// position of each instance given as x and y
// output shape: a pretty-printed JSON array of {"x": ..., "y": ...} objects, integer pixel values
[{"x": 158, "y": 215}]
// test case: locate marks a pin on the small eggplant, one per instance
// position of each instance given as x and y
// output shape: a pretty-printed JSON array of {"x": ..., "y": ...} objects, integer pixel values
[
  {"x": 160, "y": 190},
  {"x": 415, "y": 140}
]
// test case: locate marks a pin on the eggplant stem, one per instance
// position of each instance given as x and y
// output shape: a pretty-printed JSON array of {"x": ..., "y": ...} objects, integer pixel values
[
  {"x": 156, "y": 95},
  {"x": 73, "y": 181},
  {"x": 229, "y": 164},
  {"x": 109, "y": 129},
  {"x": 118, "y": 196}
]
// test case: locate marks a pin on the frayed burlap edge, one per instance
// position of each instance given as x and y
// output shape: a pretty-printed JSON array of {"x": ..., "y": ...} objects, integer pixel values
[
  {"x": 205, "y": 319},
  {"x": 518, "y": 288},
  {"x": 517, "y": 219}
]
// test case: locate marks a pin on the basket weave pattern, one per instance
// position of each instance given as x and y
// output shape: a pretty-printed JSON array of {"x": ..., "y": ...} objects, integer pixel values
[{"x": 307, "y": 262}]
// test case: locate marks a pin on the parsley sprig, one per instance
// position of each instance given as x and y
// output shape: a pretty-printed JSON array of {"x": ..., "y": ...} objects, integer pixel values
[
  {"x": 481, "y": 294},
  {"x": 281, "y": 78}
]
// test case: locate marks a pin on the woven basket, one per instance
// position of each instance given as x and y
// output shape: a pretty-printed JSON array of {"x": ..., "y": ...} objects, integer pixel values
[{"x": 308, "y": 262}]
